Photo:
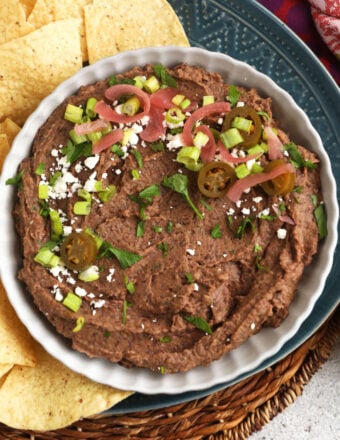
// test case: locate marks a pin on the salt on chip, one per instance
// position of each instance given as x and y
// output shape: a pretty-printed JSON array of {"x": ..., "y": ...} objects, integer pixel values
[
  {"x": 16, "y": 344},
  {"x": 114, "y": 26},
  {"x": 50, "y": 396},
  {"x": 13, "y": 22},
  {"x": 46, "y": 57}
]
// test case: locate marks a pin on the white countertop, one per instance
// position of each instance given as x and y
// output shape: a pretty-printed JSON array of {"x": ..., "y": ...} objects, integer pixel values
[{"x": 316, "y": 414}]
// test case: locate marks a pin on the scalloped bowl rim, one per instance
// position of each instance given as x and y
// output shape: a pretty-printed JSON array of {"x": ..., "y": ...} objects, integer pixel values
[{"x": 260, "y": 346}]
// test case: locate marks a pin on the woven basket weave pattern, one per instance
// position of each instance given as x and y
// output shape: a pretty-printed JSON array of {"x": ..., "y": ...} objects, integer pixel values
[{"x": 233, "y": 413}]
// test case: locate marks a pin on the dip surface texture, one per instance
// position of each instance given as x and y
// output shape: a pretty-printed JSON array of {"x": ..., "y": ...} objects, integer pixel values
[{"x": 198, "y": 286}]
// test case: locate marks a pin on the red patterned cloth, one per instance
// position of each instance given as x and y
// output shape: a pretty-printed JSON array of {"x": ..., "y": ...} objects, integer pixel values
[{"x": 317, "y": 23}]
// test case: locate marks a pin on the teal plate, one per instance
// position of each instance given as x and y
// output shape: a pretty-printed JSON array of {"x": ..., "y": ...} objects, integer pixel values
[{"x": 246, "y": 31}]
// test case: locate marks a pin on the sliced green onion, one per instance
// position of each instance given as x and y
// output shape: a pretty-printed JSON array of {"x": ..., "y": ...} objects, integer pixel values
[
  {"x": 46, "y": 258},
  {"x": 84, "y": 194},
  {"x": 57, "y": 229},
  {"x": 107, "y": 194},
  {"x": 242, "y": 123},
  {"x": 79, "y": 324},
  {"x": 131, "y": 106},
  {"x": 242, "y": 171},
  {"x": 95, "y": 136},
  {"x": 116, "y": 149},
  {"x": 231, "y": 138},
  {"x": 189, "y": 156},
  {"x": 177, "y": 99},
  {"x": 139, "y": 81},
  {"x": 208, "y": 99},
  {"x": 82, "y": 208},
  {"x": 73, "y": 114},
  {"x": 42, "y": 191},
  {"x": 201, "y": 139},
  {"x": 72, "y": 302},
  {"x": 90, "y": 105},
  {"x": 151, "y": 85},
  {"x": 256, "y": 168},
  {"x": 256, "y": 149},
  {"x": 77, "y": 138},
  {"x": 129, "y": 285},
  {"x": 138, "y": 157},
  {"x": 185, "y": 103},
  {"x": 89, "y": 274},
  {"x": 99, "y": 241},
  {"x": 174, "y": 116},
  {"x": 126, "y": 136}
]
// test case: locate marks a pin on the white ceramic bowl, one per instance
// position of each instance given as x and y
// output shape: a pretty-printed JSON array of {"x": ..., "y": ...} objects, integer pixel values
[{"x": 259, "y": 347}]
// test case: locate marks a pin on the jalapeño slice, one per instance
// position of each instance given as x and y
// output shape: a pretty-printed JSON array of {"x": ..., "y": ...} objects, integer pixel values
[
  {"x": 251, "y": 137},
  {"x": 78, "y": 251},
  {"x": 214, "y": 179},
  {"x": 280, "y": 185}
]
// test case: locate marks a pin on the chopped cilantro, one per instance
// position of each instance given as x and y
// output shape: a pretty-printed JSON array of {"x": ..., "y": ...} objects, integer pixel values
[
  {"x": 125, "y": 258},
  {"x": 113, "y": 81},
  {"x": 74, "y": 151},
  {"x": 163, "y": 75},
  {"x": 216, "y": 232},
  {"x": 169, "y": 227},
  {"x": 40, "y": 169},
  {"x": 199, "y": 323},
  {"x": 138, "y": 157},
  {"x": 157, "y": 147},
  {"x": 164, "y": 248},
  {"x": 233, "y": 95},
  {"x": 140, "y": 228},
  {"x": 321, "y": 220},
  {"x": 165, "y": 339},
  {"x": 16, "y": 180},
  {"x": 243, "y": 225},
  {"x": 189, "y": 278},
  {"x": 116, "y": 149},
  {"x": 296, "y": 157}
]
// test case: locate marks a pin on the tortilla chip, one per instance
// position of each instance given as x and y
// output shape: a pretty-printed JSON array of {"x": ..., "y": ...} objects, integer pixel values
[
  {"x": 41, "y": 13},
  {"x": 50, "y": 396},
  {"x": 10, "y": 128},
  {"x": 48, "y": 11},
  {"x": 114, "y": 26},
  {"x": 4, "y": 369},
  {"x": 4, "y": 149},
  {"x": 13, "y": 22},
  {"x": 47, "y": 57},
  {"x": 73, "y": 9},
  {"x": 28, "y": 6},
  {"x": 16, "y": 344}
]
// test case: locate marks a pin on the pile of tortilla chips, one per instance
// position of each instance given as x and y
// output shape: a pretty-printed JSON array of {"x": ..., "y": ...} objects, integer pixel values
[{"x": 43, "y": 42}]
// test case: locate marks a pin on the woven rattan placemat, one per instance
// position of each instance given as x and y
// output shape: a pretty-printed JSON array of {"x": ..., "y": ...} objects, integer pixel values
[{"x": 233, "y": 413}]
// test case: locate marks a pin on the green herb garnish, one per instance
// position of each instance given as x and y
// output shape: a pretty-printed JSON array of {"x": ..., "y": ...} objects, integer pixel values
[
  {"x": 16, "y": 180},
  {"x": 165, "y": 339},
  {"x": 74, "y": 152},
  {"x": 138, "y": 157},
  {"x": 321, "y": 220},
  {"x": 116, "y": 149},
  {"x": 125, "y": 258},
  {"x": 113, "y": 81},
  {"x": 296, "y": 157},
  {"x": 179, "y": 183},
  {"x": 130, "y": 286},
  {"x": 40, "y": 169},
  {"x": 162, "y": 74},
  {"x": 199, "y": 323},
  {"x": 233, "y": 95},
  {"x": 189, "y": 278},
  {"x": 243, "y": 225},
  {"x": 216, "y": 232},
  {"x": 164, "y": 248},
  {"x": 140, "y": 228}
]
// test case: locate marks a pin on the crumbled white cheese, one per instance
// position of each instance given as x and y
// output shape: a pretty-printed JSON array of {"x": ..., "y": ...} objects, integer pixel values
[
  {"x": 91, "y": 161},
  {"x": 191, "y": 252},
  {"x": 281, "y": 233},
  {"x": 80, "y": 291}
]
